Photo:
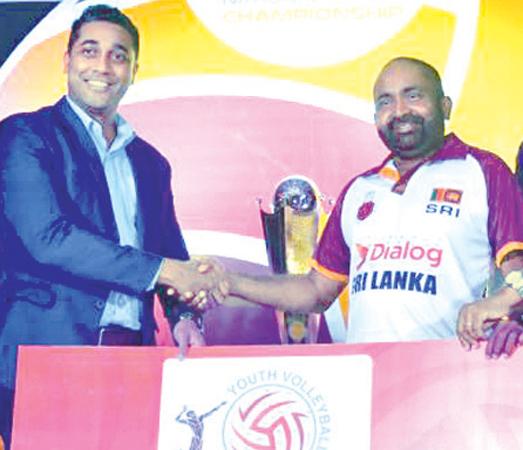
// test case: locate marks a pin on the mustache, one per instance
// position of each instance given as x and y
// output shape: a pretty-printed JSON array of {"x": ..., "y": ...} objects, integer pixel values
[{"x": 405, "y": 118}]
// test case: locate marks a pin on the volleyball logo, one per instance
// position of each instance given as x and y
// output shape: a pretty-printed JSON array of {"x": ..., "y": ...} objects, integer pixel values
[{"x": 270, "y": 417}]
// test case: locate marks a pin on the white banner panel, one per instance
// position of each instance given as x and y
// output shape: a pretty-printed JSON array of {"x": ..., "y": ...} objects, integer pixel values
[{"x": 266, "y": 403}]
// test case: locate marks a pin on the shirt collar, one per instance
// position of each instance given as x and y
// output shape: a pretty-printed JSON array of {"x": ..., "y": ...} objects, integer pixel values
[
  {"x": 453, "y": 148},
  {"x": 124, "y": 131}
]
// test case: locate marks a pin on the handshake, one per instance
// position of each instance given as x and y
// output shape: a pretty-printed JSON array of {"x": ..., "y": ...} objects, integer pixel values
[{"x": 201, "y": 282}]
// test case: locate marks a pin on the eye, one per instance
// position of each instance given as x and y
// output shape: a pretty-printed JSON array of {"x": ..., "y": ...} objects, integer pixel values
[
  {"x": 414, "y": 95},
  {"x": 88, "y": 52},
  {"x": 119, "y": 57},
  {"x": 383, "y": 102}
]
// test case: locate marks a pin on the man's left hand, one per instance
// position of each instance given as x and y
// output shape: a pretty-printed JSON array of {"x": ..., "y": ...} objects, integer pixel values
[
  {"x": 505, "y": 339},
  {"x": 186, "y": 333},
  {"x": 475, "y": 318}
]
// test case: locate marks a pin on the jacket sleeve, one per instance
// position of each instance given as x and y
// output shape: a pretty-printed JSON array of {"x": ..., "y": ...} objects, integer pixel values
[
  {"x": 173, "y": 244},
  {"x": 49, "y": 232}
]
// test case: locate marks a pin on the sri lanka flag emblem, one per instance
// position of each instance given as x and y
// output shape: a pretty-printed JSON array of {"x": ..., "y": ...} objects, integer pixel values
[{"x": 446, "y": 195}]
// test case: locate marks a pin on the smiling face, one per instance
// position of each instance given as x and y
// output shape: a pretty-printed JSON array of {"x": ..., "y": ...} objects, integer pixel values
[
  {"x": 410, "y": 109},
  {"x": 100, "y": 67}
]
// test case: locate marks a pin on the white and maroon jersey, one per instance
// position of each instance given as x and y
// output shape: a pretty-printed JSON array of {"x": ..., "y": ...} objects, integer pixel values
[{"x": 415, "y": 249}]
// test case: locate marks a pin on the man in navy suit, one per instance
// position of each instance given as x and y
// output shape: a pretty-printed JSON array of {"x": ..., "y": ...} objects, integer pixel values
[{"x": 87, "y": 221}]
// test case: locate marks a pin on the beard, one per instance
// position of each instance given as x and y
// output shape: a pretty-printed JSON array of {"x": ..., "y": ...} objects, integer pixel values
[{"x": 412, "y": 136}]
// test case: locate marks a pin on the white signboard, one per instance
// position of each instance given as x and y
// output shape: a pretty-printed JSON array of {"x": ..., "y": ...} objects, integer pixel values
[{"x": 266, "y": 403}]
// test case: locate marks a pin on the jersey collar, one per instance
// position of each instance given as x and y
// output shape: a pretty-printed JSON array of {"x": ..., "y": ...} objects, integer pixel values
[{"x": 453, "y": 148}]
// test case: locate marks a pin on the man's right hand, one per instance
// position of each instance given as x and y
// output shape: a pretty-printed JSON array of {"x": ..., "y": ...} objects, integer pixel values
[{"x": 200, "y": 282}]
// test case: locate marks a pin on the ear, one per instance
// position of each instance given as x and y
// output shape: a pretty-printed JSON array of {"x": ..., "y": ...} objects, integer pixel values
[
  {"x": 446, "y": 106},
  {"x": 135, "y": 69},
  {"x": 66, "y": 61}
]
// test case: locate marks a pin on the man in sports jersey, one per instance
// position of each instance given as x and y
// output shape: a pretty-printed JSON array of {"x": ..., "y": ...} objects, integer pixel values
[
  {"x": 414, "y": 238},
  {"x": 507, "y": 335}
]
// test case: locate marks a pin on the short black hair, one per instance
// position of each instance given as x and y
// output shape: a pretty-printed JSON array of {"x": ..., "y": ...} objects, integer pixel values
[
  {"x": 104, "y": 13},
  {"x": 423, "y": 65}
]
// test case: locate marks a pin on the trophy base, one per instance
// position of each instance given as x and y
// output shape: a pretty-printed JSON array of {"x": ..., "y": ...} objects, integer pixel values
[{"x": 298, "y": 328}]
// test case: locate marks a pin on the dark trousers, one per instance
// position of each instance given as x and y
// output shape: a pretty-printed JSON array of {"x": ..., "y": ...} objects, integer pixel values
[
  {"x": 116, "y": 335},
  {"x": 7, "y": 391},
  {"x": 6, "y": 414}
]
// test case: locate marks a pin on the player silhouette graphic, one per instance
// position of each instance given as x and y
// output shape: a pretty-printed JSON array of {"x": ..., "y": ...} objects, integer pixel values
[{"x": 190, "y": 418}]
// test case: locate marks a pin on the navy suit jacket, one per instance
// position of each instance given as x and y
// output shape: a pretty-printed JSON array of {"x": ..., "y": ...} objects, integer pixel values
[{"x": 60, "y": 249}]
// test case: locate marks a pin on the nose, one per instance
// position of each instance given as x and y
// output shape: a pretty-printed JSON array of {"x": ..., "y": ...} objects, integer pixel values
[
  {"x": 401, "y": 107},
  {"x": 103, "y": 63}
]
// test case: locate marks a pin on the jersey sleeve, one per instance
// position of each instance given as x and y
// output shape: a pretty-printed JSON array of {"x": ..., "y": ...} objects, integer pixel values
[
  {"x": 505, "y": 201},
  {"x": 332, "y": 256}
]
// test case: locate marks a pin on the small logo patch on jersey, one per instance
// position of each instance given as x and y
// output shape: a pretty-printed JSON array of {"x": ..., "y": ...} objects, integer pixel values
[
  {"x": 446, "y": 195},
  {"x": 365, "y": 210}
]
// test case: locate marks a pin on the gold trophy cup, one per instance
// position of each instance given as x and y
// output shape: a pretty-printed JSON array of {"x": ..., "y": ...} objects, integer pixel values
[{"x": 291, "y": 232}]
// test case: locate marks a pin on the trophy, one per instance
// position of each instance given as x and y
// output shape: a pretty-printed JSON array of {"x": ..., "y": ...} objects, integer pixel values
[{"x": 291, "y": 232}]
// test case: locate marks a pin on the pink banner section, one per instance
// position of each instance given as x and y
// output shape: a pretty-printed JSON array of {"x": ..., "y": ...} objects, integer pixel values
[{"x": 425, "y": 395}]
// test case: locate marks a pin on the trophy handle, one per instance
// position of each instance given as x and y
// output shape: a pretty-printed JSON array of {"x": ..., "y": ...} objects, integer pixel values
[
  {"x": 313, "y": 328},
  {"x": 282, "y": 328}
]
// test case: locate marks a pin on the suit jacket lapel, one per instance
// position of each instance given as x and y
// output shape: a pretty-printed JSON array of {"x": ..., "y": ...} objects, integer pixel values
[
  {"x": 143, "y": 186},
  {"x": 79, "y": 141}
]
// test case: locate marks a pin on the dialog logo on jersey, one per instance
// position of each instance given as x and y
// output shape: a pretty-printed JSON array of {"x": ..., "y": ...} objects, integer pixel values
[
  {"x": 444, "y": 201},
  {"x": 406, "y": 251},
  {"x": 418, "y": 281}
]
